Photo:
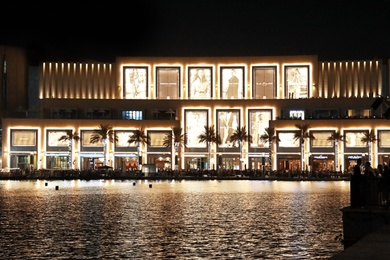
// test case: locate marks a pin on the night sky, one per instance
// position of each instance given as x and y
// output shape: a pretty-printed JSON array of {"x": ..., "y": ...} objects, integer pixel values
[{"x": 95, "y": 30}]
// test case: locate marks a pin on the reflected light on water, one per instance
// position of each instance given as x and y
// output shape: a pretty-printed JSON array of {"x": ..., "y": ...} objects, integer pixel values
[{"x": 110, "y": 219}]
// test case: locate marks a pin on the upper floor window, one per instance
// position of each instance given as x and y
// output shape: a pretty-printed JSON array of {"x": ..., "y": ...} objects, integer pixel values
[
  {"x": 132, "y": 115},
  {"x": 359, "y": 113},
  {"x": 297, "y": 114},
  {"x": 200, "y": 82},
  {"x": 326, "y": 113},
  {"x": 135, "y": 82},
  {"x": 168, "y": 82},
  {"x": 264, "y": 82},
  {"x": 297, "y": 81},
  {"x": 232, "y": 82}
]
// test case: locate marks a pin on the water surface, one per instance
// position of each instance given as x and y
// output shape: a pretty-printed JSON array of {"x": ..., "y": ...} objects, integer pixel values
[{"x": 232, "y": 219}]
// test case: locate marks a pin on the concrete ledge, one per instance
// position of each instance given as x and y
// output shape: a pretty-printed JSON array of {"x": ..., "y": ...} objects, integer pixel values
[
  {"x": 374, "y": 246},
  {"x": 359, "y": 222}
]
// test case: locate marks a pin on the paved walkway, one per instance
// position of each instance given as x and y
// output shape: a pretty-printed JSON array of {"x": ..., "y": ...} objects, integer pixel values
[{"x": 374, "y": 246}]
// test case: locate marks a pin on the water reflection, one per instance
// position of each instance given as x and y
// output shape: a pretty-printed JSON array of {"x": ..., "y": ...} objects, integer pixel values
[{"x": 181, "y": 219}]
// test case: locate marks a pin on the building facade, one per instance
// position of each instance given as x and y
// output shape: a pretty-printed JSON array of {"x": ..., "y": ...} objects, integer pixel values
[{"x": 157, "y": 94}]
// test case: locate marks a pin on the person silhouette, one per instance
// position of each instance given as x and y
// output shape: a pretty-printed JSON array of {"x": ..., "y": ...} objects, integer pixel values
[{"x": 356, "y": 189}]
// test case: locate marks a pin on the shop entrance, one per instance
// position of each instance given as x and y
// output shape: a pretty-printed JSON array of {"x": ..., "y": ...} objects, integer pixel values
[
  {"x": 23, "y": 162},
  {"x": 231, "y": 163},
  {"x": 196, "y": 163},
  {"x": 57, "y": 162},
  {"x": 289, "y": 164},
  {"x": 91, "y": 163}
]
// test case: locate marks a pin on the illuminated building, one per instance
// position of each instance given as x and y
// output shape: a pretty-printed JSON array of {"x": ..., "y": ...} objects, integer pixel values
[{"x": 158, "y": 93}]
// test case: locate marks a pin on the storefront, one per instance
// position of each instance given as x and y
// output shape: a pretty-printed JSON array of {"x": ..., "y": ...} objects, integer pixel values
[
  {"x": 91, "y": 161},
  {"x": 383, "y": 159},
  {"x": 57, "y": 161},
  {"x": 350, "y": 160},
  {"x": 162, "y": 161},
  {"x": 289, "y": 162},
  {"x": 195, "y": 163},
  {"x": 259, "y": 163},
  {"x": 126, "y": 162},
  {"x": 23, "y": 161},
  {"x": 321, "y": 162}
]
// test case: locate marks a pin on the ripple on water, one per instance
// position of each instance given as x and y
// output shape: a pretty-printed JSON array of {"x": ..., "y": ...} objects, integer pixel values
[{"x": 187, "y": 219}]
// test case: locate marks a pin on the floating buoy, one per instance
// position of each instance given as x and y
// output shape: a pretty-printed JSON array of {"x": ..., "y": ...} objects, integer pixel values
[{"x": 150, "y": 185}]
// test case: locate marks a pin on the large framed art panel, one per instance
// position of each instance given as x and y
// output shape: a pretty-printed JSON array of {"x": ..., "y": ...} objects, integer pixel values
[
  {"x": 23, "y": 138},
  {"x": 200, "y": 82},
  {"x": 135, "y": 82},
  {"x": 264, "y": 82},
  {"x": 53, "y": 137},
  {"x": 384, "y": 138},
  {"x": 353, "y": 139},
  {"x": 86, "y": 139},
  {"x": 287, "y": 140},
  {"x": 123, "y": 138},
  {"x": 228, "y": 121},
  {"x": 157, "y": 138},
  {"x": 168, "y": 82},
  {"x": 258, "y": 122},
  {"x": 321, "y": 139},
  {"x": 195, "y": 121},
  {"x": 297, "y": 81},
  {"x": 232, "y": 82}
]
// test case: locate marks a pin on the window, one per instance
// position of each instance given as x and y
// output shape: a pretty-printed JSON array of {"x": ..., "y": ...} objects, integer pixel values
[
  {"x": 232, "y": 82},
  {"x": 157, "y": 138},
  {"x": 132, "y": 115},
  {"x": 354, "y": 139},
  {"x": 168, "y": 83},
  {"x": 264, "y": 82},
  {"x": 258, "y": 121},
  {"x": 321, "y": 139},
  {"x": 228, "y": 122},
  {"x": 297, "y": 81},
  {"x": 326, "y": 113},
  {"x": 384, "y": 138},
  {"x": 358, "y": 113},
  {"x": 135, "y": 82},
  {"x": 195, "y": 121},
  {"x": 299, "y": 114},
  {"x": 200, "y": 82},
  {"x": 287, "y": 140}
]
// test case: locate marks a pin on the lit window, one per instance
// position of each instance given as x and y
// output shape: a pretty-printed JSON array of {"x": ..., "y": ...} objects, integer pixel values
[
  {"x": 299, "y": 114},
  {"x": 132, "y": 115}
]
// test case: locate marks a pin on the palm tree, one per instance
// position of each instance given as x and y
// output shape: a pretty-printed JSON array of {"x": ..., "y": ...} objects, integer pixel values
[
  {"x": 336, "y": 137},
  {"x": 301, "y": 135},
  {"x": 176, "y": 139},
  {"x": 70, "y": 137},
  {"x": 240, "y": 135},
  {"x": 139, "y": 138},
  {"x": 369, "y": 138},
  {"x": 209, "y": 136},
  {"x": 103, "y": 134},
  {"x": 270, "y": 137}
]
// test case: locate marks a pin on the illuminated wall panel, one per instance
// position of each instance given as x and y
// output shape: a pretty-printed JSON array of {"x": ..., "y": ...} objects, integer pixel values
[
  {"x": 349, "y": 79},
  {"x": 77, "y": 80}
]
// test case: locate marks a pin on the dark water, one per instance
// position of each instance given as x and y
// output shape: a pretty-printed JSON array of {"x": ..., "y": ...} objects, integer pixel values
[{"x": 184, "y": 220}]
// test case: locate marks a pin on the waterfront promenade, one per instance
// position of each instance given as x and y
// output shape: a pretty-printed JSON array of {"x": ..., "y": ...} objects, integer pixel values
[{"x": 177, "y": 175}]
